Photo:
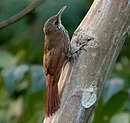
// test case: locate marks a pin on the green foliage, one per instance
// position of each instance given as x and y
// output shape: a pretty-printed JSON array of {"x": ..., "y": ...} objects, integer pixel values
[
  {"x": 105, "y": 112},
  {"x": 22, "y": 80}
]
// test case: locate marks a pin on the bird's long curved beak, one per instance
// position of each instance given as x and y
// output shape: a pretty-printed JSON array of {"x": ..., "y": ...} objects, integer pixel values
[{"x": 60, "y": 12}]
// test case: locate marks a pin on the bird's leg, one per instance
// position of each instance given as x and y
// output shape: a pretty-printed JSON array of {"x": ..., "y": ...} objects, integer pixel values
[
  {"x": 81, "y": 47},
  {"x": 73, "y": 52}
]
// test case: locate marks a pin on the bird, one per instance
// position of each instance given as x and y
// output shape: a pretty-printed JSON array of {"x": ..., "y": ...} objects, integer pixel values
[{"x": 56, "y": 52}]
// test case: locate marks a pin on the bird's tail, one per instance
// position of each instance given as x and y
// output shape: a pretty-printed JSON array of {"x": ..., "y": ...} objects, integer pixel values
[{"x": 52, "y": 100}]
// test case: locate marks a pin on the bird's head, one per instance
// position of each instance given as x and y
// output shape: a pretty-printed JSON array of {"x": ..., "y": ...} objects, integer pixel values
[{"x": 54, "y": 23}]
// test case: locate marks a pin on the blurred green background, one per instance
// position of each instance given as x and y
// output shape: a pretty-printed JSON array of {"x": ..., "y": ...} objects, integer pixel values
[{"x": 22, "y": 81}]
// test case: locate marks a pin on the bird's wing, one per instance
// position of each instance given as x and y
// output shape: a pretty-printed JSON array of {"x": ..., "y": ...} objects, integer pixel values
[{"x": 53, "y": 61}]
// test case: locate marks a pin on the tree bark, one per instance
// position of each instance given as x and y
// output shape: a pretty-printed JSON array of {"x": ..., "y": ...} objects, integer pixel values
[{"x": 103, "y": 30}]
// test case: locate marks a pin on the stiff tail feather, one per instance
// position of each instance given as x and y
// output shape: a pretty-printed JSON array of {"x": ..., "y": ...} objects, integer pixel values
[{"x": 52, "y": 101}]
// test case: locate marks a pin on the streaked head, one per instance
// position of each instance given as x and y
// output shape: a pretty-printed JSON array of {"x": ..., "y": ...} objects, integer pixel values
[{"x": 54, "y": 23}]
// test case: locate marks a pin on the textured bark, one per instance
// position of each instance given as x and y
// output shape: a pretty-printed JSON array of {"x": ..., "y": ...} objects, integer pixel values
[{"x": 108, "y": 22}]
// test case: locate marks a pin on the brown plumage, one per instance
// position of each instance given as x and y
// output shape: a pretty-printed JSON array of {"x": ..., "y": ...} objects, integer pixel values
[{"x": 56, "y": 48}]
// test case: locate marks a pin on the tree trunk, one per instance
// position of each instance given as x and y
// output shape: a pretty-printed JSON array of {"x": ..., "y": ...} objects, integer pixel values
[{"x": 103, "y": 30}]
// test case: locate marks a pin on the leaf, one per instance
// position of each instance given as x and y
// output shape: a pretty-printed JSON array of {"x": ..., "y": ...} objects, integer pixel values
[
  {"x": 112, "y": 106},
  {"x": 34, "y": 108},
  {"x": 5, "y": 59},
  {"x": 112, "y": 87},
  {"x": 121, "y": 118},
  {"x": 13, "y": 76},
  {"x": 115, "y": 103},
  {"x": 15, "y": 107},
  {"x": 19, "y": 72},
  {"x": 38, "y": 78},
  {"x": 97, "y": 113}
]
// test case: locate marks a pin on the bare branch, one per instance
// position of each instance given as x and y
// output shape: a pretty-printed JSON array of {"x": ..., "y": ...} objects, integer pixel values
[
  {"x": 83, "y": 78},
  {"x": 21, "y": 14}
]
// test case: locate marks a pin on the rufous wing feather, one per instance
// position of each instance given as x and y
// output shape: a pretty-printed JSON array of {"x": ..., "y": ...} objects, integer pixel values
[{"x": 52, "y": 66}]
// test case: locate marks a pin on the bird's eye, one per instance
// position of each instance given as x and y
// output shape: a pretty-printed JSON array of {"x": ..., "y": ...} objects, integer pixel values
[{"x": 56, "y": 22}]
